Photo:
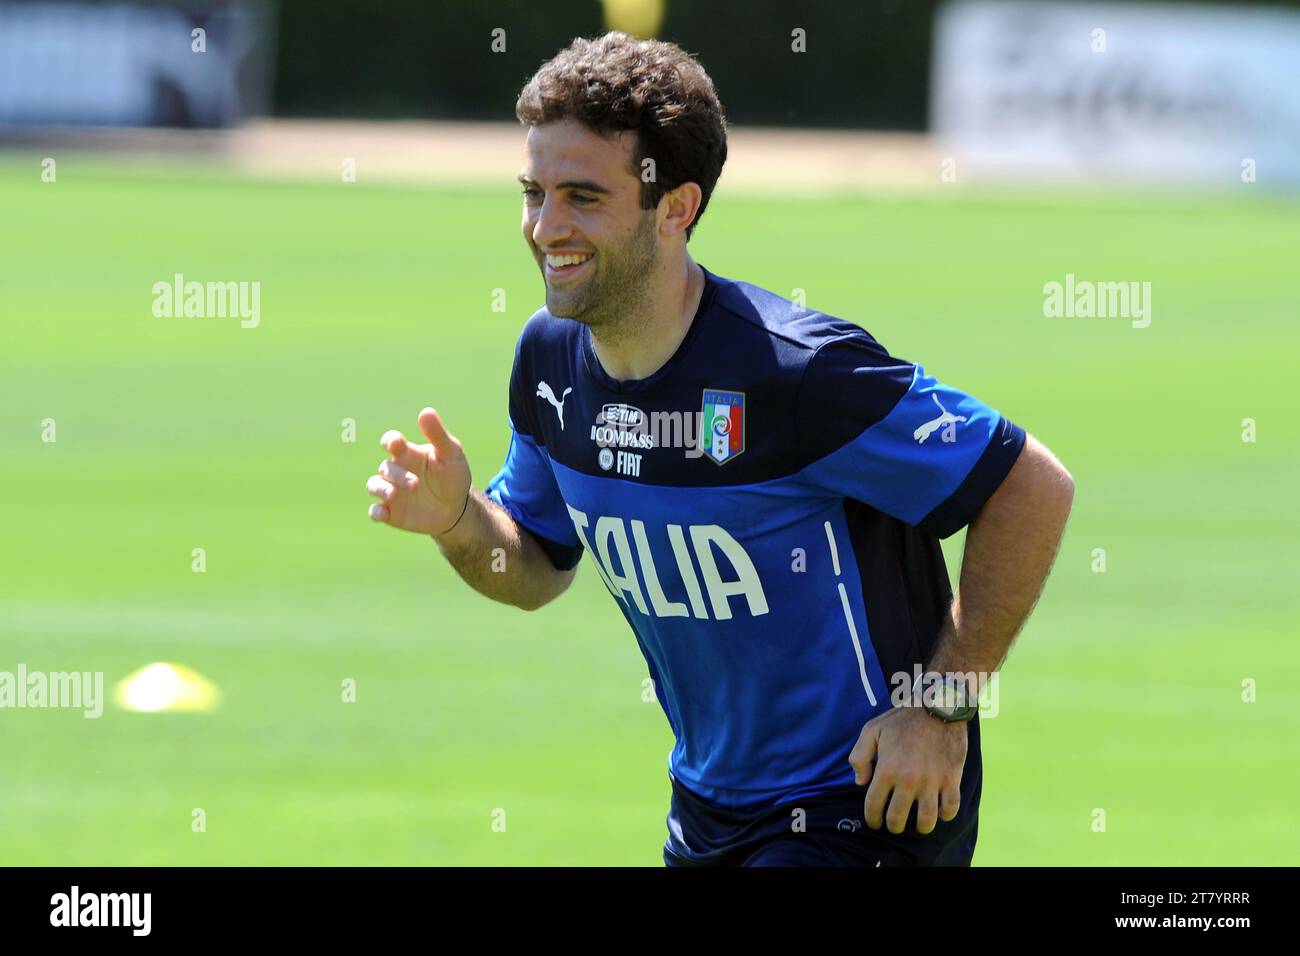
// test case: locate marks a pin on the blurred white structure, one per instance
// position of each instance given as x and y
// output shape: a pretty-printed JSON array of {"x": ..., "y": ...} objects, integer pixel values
[
  {"x": 130, "y": 65},
  {"x": 1119, "y": 92}
]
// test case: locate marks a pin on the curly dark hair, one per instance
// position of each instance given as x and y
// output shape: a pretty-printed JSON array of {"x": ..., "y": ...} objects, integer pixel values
[{"x": 616, "y": 83}]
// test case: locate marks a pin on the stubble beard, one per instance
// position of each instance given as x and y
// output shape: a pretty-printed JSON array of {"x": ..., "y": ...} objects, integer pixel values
[{"x": 615, "y": 299}]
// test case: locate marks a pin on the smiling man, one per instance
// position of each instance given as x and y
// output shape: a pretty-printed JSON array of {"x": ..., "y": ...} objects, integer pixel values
[{"x": 777, "y": 560}]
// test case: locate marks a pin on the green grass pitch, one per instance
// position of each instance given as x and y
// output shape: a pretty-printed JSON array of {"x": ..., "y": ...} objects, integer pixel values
[{"x": 1123, "y": 694}]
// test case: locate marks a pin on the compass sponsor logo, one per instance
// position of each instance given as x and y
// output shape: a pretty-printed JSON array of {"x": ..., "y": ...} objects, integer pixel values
[{"x": 622, "y": 426}]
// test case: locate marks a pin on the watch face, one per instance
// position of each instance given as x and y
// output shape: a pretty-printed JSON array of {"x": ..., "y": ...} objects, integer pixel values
[{"x": 950, "y": 700}]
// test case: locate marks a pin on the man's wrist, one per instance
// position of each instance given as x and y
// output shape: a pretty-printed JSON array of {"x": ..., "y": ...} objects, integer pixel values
[
  {"x": 947, "y": 696},
  {"x": 443, "y": 537}
]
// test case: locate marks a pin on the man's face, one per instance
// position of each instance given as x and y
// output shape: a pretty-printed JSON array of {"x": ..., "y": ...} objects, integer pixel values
[{"x": 583, "y": 221}]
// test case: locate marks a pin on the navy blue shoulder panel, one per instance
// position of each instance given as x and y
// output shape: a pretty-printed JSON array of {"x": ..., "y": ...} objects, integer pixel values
[
  {"x": 850, "y": 384},
  {"x": 744, "y": 341}
]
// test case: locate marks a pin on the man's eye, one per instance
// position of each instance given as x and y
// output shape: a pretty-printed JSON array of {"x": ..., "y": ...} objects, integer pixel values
[
  {"x": 532, "y": 194},
  {"x": 582, "y": 200}
]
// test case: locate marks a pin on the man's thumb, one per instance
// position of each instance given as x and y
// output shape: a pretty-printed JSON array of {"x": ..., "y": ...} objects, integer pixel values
[
  {"x": 864, "y": 752},
  {"x": 434, "y": 430}
]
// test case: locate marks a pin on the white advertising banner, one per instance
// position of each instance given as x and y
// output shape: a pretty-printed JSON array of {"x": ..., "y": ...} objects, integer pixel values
[
  {"x": 1119, "y": 92},
  {"x": 125, "y": 64}
]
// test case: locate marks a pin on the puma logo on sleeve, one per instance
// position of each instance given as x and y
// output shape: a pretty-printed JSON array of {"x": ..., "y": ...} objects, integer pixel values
[{"x": 933, "y": 425}]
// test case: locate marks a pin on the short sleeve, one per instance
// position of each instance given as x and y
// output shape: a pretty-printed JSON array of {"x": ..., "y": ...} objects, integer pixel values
[
  {"x": 883, "y": 431},
  {"x": 526, "y": 488}
]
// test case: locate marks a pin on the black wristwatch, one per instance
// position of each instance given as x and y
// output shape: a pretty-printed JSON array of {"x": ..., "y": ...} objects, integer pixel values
[{"x": 953, "y": 701}]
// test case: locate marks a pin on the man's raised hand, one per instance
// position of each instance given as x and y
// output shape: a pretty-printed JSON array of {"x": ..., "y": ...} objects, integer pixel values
[{"x": 422, "y": 488}]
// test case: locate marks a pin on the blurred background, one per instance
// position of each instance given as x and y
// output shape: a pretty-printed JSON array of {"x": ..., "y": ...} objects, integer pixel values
[{"x": 187, "y": 489}]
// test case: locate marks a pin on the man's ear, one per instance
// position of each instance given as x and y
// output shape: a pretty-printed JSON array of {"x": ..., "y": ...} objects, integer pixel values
[{"x": 678, "y": 209}]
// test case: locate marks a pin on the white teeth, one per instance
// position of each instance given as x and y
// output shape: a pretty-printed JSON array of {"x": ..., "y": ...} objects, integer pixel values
[{"x": 558, "y": 261}]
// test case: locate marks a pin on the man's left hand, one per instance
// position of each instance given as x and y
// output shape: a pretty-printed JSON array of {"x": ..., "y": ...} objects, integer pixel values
[{"x": 918, "y": 758}]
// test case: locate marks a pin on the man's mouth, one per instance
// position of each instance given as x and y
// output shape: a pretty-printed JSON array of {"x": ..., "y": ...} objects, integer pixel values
[{"x": 561, "y": 268}]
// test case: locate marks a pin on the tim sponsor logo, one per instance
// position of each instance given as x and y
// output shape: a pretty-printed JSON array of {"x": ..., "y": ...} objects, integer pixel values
[
  {"x": 75, "y": 908},
  {"x": 622, "y": 416},
  {"x": 622, "y": 426}
]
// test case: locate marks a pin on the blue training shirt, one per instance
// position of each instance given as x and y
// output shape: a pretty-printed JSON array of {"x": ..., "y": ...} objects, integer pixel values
[{"x": 765, "y": 509}]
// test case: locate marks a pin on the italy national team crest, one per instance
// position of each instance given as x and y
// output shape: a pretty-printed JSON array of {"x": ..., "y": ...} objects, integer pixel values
[{"x": 722, "y": 424}]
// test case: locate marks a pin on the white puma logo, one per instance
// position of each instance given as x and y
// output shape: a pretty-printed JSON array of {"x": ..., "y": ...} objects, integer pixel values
[
  {"x": 544, "y": 391},
  {"x": 932, "y": 426}
]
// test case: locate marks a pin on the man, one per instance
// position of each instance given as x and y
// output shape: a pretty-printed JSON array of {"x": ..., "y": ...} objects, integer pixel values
[{"x": 772, "y": 537}]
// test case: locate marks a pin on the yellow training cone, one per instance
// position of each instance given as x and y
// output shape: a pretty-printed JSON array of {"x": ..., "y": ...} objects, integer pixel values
[{"x": 166, "y": 687}]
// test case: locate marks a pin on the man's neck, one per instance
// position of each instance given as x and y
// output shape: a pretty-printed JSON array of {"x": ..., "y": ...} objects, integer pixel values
[{"x": 645, "y": 343}]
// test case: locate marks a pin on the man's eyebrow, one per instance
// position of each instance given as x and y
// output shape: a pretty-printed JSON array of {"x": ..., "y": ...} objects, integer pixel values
[{"x": 586, "y": 185}]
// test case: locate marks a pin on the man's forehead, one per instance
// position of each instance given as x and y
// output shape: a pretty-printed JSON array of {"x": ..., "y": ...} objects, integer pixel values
[{"x": 564, "y": 148}]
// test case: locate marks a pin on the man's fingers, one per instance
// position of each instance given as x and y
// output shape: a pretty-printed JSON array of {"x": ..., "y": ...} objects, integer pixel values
[
  {"x": 873, "y": 808},
  {"x": 398, "y": 476},
  {"x": 380, "y": 488},
  {"x": 927, "y": 811},
  {"x": 433, "y": 429},
  {"x": 409, "y": 456},
  {"x": 950, "y": 801},
  {"x": 378, "y": 512},
  {"x": 899, "y": 807}
]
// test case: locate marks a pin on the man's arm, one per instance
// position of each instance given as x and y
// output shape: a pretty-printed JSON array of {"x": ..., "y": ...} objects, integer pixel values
[
  {"x": 520, "y": 573},
  {"x": 1010, "y": 546},
  {"x": 428, "y": 489}
]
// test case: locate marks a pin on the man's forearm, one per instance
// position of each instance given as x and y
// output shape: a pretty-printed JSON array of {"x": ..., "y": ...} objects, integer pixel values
[
  {"x": 1010, "y": 547},
  {"x": 499, "y": 559}
]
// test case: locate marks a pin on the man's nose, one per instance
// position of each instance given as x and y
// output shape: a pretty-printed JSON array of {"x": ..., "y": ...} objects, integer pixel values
[{"x": 551, "y": 225}]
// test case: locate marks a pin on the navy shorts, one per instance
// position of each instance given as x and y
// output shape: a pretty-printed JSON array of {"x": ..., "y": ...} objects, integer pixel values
[{"x": 833, "y": 833}]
